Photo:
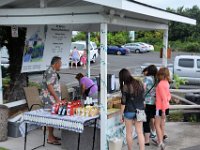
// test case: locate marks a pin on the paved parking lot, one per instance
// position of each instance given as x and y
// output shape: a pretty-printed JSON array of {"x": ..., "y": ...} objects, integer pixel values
[{"x": 115, "y": 64}]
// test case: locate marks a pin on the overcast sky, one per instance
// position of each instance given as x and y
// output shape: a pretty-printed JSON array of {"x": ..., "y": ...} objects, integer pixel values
[{"x": 171, "y": 3}]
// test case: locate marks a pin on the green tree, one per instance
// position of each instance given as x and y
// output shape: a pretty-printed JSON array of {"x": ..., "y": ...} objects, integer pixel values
[
  {"x": 114, "y": 38},
  {"x": 81, "y": 36},
  {"x": 185, "y": 32},
  {"x": 15, "y": 49}
]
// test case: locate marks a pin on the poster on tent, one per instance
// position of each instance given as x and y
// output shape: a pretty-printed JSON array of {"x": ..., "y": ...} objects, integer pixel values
[
  {"x": 34, "y": 49},
  {"x": 58, "y": 40}
]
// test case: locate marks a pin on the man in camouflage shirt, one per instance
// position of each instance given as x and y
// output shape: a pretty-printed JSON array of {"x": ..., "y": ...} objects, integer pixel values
[{"x": 51, "y": 92}]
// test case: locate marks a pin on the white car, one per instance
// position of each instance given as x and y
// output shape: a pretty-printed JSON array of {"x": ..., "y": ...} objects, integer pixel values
[
  {"x": 136, "y": 47},
  {"x": 81, "y": 46},
  {"x": 4, "y": 57},
  {"x": 188, "y": 67},
  {"x": 148, "y": 46}
]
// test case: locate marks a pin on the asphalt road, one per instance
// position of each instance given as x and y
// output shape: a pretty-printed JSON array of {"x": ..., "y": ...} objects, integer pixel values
[{"x": 115, "y": 64}]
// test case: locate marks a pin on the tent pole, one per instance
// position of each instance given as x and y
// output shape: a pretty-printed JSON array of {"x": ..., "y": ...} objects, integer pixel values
[
  {"x": 1, "y": 86},
  {"x": 103, "y": 84},
  {"x": 165, "y": 47},
  {"x": 88, "y": 53}
]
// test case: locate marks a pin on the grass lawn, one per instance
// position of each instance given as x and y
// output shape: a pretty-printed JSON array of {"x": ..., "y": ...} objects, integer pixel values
[{"x": 1, "y": 148}]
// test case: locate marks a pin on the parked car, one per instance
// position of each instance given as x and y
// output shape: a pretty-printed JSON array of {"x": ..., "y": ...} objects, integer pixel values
[
  {"x": 148, "y": 46},
  {"x": 185, "y": 66},
  {"x": 113, "y": 49},
  {"x": 136, "y": 47},
  {"x": 4, "y": 57},
  {"x": 81, "y": 46},
  {"x": 188, "y": 67}
]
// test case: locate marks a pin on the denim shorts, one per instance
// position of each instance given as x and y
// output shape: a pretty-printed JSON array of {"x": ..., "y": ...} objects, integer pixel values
[{"x": 130, "y": 115}]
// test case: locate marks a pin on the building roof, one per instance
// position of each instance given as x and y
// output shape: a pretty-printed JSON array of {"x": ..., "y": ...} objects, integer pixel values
[{"x": 88, "y": 14}]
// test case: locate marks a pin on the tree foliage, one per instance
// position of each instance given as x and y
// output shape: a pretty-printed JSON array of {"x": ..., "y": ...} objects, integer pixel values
[
  {"x": 114, "y": 38},
  {"x": 182, "y": 37},
  {"x": 15, "y": 49},
  {"x": 185, "y": 32}
]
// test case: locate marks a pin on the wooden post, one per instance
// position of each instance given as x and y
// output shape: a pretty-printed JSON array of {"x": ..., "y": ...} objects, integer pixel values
[{"x": 165, "y": 46}]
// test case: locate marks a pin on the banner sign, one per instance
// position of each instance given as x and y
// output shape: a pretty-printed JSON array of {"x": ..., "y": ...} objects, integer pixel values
[
  {"x": 39, "y": 50},
  {"x": 58, "y": 41},
  {"x": 34, "y": 49}
]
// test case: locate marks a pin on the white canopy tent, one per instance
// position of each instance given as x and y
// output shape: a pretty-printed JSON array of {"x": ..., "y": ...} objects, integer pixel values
[{"x": 88, "y": 16}]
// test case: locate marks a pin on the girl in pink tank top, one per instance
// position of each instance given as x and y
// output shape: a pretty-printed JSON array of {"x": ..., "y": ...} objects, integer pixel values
[{"x": 163, "y": 97}]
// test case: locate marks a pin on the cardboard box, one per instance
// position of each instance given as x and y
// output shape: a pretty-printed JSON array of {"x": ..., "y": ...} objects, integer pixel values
[{"x": 118, "y": 106}]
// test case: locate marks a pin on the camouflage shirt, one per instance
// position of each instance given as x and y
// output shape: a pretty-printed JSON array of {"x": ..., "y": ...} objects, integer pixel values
[{"x": 50, "y": 77}]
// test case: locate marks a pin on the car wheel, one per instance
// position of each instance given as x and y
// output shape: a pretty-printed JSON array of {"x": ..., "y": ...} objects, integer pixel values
[
  {"x": 137, "y": 51},
  {"x": 94, "y": 59},
  {"x": 119, "y": 53}
]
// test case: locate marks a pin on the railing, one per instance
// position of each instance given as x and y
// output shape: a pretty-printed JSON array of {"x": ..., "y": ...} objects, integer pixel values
[{"x": 191, "y": 105}]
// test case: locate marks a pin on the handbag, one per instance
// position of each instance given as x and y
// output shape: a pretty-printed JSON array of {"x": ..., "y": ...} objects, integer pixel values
[{"x": 141, "y": 115}]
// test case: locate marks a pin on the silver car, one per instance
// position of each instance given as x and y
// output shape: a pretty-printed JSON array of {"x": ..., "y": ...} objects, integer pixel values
[
  {"x": 136, "y": 47},
  {"x": 148, "y": 46}
]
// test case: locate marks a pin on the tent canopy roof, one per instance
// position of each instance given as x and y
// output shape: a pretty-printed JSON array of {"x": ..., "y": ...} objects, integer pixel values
[{"x": 84, "y": 15}]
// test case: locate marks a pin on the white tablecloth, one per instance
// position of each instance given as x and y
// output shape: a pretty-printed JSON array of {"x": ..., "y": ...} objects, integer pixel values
[{"x": 45, "y": 118}]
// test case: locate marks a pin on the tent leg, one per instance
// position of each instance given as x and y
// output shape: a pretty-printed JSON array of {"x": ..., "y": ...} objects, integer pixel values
[
  {"x": 103, "y": 85},
  {"x": 1, "y": 86},
  {"x": 88, "y": 53}
]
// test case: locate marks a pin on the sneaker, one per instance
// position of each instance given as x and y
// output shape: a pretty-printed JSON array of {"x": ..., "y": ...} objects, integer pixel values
[
  {"x": 162, "y": 146},
  {"x": 152, "y": 136},
  {"x": 155, "y": 141}
]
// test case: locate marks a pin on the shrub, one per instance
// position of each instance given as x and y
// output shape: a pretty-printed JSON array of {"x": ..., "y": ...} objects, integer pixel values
[
  {"x": 37, "y": 85},
  {"x": 192, "y": 47},
  {"x": 185, "y": 46}
]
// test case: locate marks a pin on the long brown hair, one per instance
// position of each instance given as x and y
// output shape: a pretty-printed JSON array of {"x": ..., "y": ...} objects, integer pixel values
[
  {"x": 125, "y": 78},
  {"x": 163, "y": 74}
]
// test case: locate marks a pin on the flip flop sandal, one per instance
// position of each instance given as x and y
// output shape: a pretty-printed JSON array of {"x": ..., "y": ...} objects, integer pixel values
[
  {"x": 53, "y": 142},
  {"x": 57, "y": 138},
  {"x": 155, "y": 141},
  {"x": 147, "y": 144}
]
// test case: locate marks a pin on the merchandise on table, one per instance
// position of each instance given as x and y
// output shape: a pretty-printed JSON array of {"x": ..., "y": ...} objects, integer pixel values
[
  {"x": 114, "y": 102},
  {"x": 75, "y": 108}
]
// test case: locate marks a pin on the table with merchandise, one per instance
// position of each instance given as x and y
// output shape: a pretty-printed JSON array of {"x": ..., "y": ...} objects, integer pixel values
[{"x": 75, "y": 122}]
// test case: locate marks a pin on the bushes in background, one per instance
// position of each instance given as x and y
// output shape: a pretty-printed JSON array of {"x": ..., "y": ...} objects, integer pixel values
[{"x": 185, "y": 46}]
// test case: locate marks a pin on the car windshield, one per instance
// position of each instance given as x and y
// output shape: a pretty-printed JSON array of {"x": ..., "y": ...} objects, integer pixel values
[
  {"x": 119, "y": 46},
  {"x": 112, "y": 46},
  {"x": 79, "y": 47},
  {"x": 94, "y": 45},
  {"x": 141, "y": 43}
]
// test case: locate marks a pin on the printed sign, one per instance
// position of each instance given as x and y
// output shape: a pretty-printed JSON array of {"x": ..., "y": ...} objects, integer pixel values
[
  {"x": 14, "y": 30},
  {"x": 34, "y": 49},
  {"x": 58, "y": 40},
  {"x": 39, "y": 50}
]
